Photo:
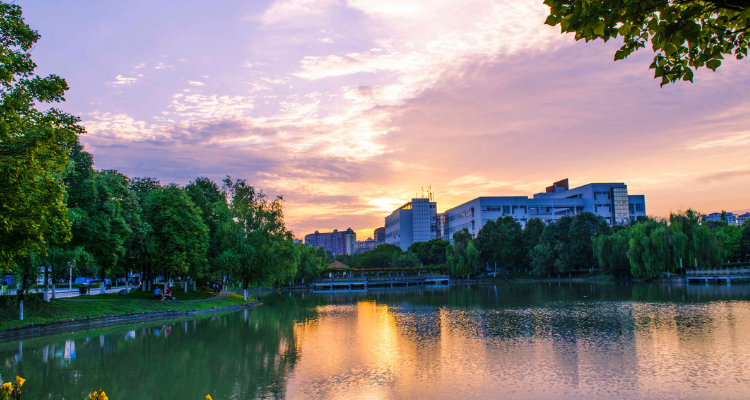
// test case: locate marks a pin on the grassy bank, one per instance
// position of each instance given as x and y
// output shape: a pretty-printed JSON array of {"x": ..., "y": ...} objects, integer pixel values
[{"x": 37, "y": 311}]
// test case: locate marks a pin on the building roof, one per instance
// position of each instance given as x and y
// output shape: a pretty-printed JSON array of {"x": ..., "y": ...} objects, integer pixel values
[{"x": 338, "y": 265}]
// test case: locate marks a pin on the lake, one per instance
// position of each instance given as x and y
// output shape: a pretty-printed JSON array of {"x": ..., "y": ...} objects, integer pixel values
[{"x": 497, "y": 341}]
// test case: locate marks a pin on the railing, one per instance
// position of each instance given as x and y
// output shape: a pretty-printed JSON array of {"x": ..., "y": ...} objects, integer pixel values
[
  {"x": 380, "y": 278},
  {"x": 721, "y": 271}
]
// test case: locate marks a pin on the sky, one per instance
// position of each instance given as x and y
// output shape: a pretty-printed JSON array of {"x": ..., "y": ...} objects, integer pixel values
[{"x": 348, "y": 108}]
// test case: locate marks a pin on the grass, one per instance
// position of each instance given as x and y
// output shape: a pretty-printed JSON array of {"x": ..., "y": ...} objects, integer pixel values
[
  {"x": 178, "y": 293},
  {"x": 37, "y": 311}
]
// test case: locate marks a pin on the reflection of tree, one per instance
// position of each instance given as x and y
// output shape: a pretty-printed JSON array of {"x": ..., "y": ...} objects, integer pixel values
[{"x": 228, "y": 356}]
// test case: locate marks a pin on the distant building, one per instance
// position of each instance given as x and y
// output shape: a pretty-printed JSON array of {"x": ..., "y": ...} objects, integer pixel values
[
  {"x": 365, "y": 245},
  {"x": 611, "y": 201},
  {"x": 716, "y": 217},
  {"x": 337, "y": 242},
  {"x": 297, "y": 241},
  {"x": 742, "y": 218},
  {"x": 415, "y": 221},
  {"x": 379, "y": 235}
]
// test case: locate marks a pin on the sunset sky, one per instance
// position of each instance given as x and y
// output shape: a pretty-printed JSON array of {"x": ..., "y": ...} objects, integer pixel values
[{"x": 348, "y": 107}]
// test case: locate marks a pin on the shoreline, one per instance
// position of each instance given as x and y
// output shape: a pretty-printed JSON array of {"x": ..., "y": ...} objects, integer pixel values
[{"x": 72, "y": 325}]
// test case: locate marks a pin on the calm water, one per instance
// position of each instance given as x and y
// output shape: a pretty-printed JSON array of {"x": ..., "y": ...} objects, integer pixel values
[{"x": 537, "y": 341}]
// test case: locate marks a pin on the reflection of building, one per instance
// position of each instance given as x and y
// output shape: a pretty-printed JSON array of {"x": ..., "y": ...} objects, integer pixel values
[
  {"x": 365, "y": 245},
  {"x": 611, "y": 201},
  {"x": 336, "y": 242},
  {"x": 415, "y": 221},
  {"x": 379, "y": 235}
]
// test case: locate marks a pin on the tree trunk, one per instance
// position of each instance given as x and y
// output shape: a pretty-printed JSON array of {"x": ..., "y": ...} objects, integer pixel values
[
  {"x": 46, "y": 284},
  {"x": 101, "y": 282},
  {"x": 20, "y": 316},
  {"x": 244, "y": 295},
  {"x": 194, "y": 285},
  {"x": 185, "y": 285}
]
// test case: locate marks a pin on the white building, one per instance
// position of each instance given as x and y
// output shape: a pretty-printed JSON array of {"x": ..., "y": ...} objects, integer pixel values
[
  {"x": 742, "y": 218},
  {"x": 611, "y": 201},
  {"x": 365, "y": 245},
  {"x": 731, "y": 218},
  {"x": 415, "y": 221}
]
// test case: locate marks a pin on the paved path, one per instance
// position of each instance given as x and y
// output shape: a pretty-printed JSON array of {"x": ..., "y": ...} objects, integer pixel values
[{"x": 62, "y": 293}]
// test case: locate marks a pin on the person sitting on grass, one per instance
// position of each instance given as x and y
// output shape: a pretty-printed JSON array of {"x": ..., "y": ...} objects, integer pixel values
[
  {"x": 168, "y": 294},
  {"x": 157, "y": 294}
]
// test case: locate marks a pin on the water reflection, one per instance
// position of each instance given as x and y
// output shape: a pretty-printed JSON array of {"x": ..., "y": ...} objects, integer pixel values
[{"x": 489, "y": 341}]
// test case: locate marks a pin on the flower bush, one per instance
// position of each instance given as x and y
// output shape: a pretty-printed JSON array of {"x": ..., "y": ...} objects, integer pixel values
[{"x": 9, "y": 391}]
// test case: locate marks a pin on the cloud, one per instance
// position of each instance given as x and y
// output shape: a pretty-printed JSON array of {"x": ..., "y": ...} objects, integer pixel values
[
  {"x": 284, "y": 10},
  {"x": 195, "y": 83},
  {"x": 723, "y": 175},
  {"x": 122, "y": 81}
]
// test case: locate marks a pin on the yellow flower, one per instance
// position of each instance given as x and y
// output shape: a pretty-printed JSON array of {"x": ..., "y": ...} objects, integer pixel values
[
  {"x": 7, "y": 388},
  {"x": 208, "y": 397},
  {"x": 20, "y": 381}
]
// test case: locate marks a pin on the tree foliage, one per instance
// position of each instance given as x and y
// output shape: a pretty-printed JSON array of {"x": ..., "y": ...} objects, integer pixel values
[
  {"x": 462, "y": 256},
  {"x": 684, "y": 34},
  {"x": 179, "y": 234},
  {"x": 34, "y": 144},
  {"x": 501, "y": 242}
]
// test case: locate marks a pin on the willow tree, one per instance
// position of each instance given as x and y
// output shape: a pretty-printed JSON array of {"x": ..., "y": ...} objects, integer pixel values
[
  {"x": 34, "y": 144},
  {"x": 684, "y": 34},
  {"x": 462, "y": 257}
]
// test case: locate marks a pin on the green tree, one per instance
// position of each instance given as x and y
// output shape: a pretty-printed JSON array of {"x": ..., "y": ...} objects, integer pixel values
[
  {"x": 553, "y": 252},
  {"x": 311, "y": 261},
  {"x": 431, "y": 252},
  {"x": 501, "y": 242},
  {"x": 100, "y": 226},
  {"x": 257, "y": 246},
  {"x": 611, "y": 252},
  {"x": 462, "y": 257},
  {"x": 34, "y": 145},
  {"x": 379, "y": 257},
  {"x": 684, "y": 34},
  {"x": 584, "y": 227},
  {"x": 655, "y": 247},
  {"x": 206, "y": 195},
  {"x": 532, "y": 232},
  {"x": 178, "y": 232},
  {"x": 25, "y": 271},
  {"x": 743, "y": 244},
  {"x": 405, "y": 260}
]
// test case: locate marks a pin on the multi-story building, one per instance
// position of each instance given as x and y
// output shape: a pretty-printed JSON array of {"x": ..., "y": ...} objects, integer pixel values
[
  {"x": 731, "y": 218},
  {"x": 415, "y": 221},
  {"x": 337, "y": 242},
  {"x": 742, "y": 218},
  {"x": 379, "y": 235},
  {"x": 611, "y": 201},
  {"x": 365, "y": 245}
]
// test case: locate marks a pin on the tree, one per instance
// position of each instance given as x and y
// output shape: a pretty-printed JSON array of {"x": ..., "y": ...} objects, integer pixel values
[
  {"x": 33, "y": 145},
  {"x": 532, "y": 232},
  {"x": 583, "y": 228},
  {"x": 685, "y": 34},
  {"x": 501, "y": 242},
  {"x": 405, "y": 260},
  {"x": 553, "y": 252},
  {"x": 99, "y": 219},
  {"x": 379, "y": 257},
  {"x": 25, "y": 271},
  {"x": 431, "y": 252},
  {"x": 311, "y": 261},
  {"x": 611, "y": 252},
  {"x": 743, "y": 245},
  {"x": 206, "y": 195},
  {"x": 655, "y": 248},
  {"x": 178, "y": 232},
  {"x": 258, "y": 247},
  {"x": 462, "y": 256}
]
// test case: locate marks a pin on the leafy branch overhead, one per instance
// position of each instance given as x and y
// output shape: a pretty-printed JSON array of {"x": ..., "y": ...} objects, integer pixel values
[{"x": 685, "y": 34}]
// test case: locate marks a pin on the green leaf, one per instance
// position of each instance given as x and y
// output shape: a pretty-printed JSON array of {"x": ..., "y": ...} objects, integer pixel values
[
  {"x": 551, "y": 20},
  {"x": 713, "y": 64},
  {"x": 619, "y": 55}
]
